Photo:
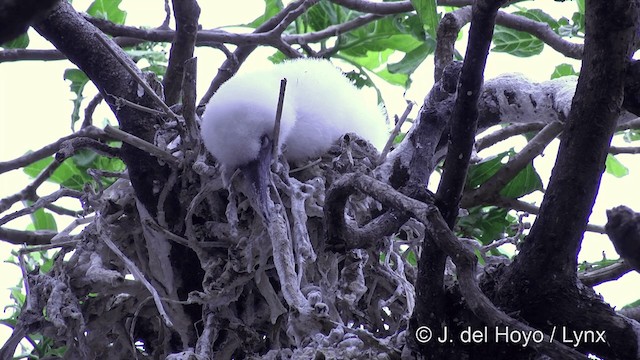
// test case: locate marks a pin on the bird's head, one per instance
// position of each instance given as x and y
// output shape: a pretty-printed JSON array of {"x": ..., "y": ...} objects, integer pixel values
[{"x": 237, "y": 129}]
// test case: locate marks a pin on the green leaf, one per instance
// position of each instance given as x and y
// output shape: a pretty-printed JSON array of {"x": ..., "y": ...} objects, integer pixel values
[
  {"x": 412, "y": 258},
  {"x": 563, "y": 70},
  {"x": 271, "y": 8},
  {"x": 539, "y": 16},
  {"x": 78, "y": 81},
  {"x": 479, "y": 256},
  {"x": 379, "y": 35},
  {"x": 277, "y": 57},
  {"x": 487, "y": 224},
  {"x": 41, "y": 220},
  {"x": 615, "y": 167},
  {"x": 108, "y": 10},
  {"x": 515, "y": 42},
  {"x": 580, "y": 4},
  {"x": 519, "y": 43},
  {"x": 155, "y": 54},
  {"x": 67, "y": 174},
  {"x": 21, "y": 42},
  {"x": 428, "y": 14},
  {"x": 324, "y": 14},
  {"x": 371, "y": 60},
  {"x": 634, "y": 304},
  {"x": 395, "y": 79},
  {"x": 526, "y": 182},
  {"x": 413, "y": 59},
  {"x": 481, "y": 172}
]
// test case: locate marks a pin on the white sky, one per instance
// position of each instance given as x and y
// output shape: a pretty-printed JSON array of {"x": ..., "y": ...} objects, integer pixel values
[{"x": 35, "y": 110}]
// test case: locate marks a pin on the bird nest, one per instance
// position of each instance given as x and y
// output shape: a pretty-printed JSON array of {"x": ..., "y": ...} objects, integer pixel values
[{"x": 130, "y": 287}]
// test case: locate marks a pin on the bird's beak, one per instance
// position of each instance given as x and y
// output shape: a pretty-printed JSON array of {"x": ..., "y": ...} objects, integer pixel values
[{"x": 257, "y": 177}]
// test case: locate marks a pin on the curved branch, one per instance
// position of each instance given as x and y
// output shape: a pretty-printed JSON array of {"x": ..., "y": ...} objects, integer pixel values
[
  {"x": 447, "y": 36},
  {"x": 462, "y": 256}
]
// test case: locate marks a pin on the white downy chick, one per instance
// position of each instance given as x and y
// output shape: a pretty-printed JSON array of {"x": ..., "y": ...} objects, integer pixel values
[{"x": 320, "y": 106}]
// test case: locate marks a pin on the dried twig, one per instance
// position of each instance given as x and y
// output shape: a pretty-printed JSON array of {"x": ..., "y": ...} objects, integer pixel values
[
  {"x": 40, "y": 203},
  {"x": 395, "y": 132},
  {"x": 276, "y": 126},
  {"x": 138, "y": 275},
  {"x": 142, "y": 145}
]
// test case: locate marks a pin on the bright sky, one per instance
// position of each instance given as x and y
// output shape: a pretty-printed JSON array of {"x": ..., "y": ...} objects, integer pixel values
[{"x": 35, "y": 110}]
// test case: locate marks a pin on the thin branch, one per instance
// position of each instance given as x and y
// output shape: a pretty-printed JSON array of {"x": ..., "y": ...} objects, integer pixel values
[
  {"x": 231, "y": 65},
  {"x": 386, "y": 8},
  {"x": 520, "y": 205},
  {"x": 29, "y": 192},
  {"x": 19, "y": 237},
  {"x": 331, "y": 31},
  {"x": 276, "y": 126},
  {"x": 464, "y": 120},
  {"x": 395, "y": 132},
  {"x": 48, "y": 150},
  {"x": 40, "y": 203},
  {"x": 507, "y": 172},
  {"x": 191, "y": 133},
  {"x": 135, "y": 74},
  {"x": 602, "y": 275},
  {"x": 138, "y": 275},
  {"x": 624, "y": 150},
  {"x": 447, "y": 35},
  {"x": 167, "y": 18},
  {"x": 142, "y": 145},
  {"x": 506, "y": 133},
  {"x": 63, "y": 211},
  {"x": 88, "y": 111}
]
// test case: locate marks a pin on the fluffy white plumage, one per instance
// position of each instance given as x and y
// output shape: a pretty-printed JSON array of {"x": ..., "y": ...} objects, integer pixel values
[{"x": 320, "y": 105}]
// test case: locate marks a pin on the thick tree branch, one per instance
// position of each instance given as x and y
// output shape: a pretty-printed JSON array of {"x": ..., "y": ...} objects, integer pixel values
[
  {"x": 506, "y": 133},
  {"x": 547, "y": 263},
  {"x": 464, "y": 118},
  {"x": 447, "y": 36},
  {"x": 187, "y": 13},
  {"x": 553, "y": 245},
  {"x": 75, "y": 37}
]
